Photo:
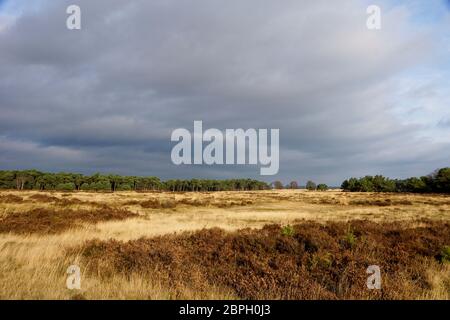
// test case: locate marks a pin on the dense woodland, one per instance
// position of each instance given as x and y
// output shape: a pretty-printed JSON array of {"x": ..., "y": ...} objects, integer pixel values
[
  {"x": 36, "y": 180},
  {"x": 437, "y": 182}
]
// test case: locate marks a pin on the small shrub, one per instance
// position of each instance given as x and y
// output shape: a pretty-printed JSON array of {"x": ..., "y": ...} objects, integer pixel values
[
  {"x": 288, "y": 231},
  {"x": 445, "y": 254},
  {"x": 350, "y": 239},
  {"x": 320, "y": 260}
]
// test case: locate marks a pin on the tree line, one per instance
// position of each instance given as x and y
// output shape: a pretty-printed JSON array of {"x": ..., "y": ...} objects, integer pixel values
[
  {"x": 437, "y": 182},
  {"x": 310, "y": 185},
  {"x": 37, "y": 180}
]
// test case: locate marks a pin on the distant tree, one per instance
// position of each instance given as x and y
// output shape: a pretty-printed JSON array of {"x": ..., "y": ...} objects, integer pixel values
[
  {"x": 412, "y": 185},
  {"x": 351, "y": 184},
  {"x": 383, "y": 184},
  {"x": 366, "y": 184},
  {"x": 7, "y": 179},
  {"x": 47, "y": 181},
  {"x": 277, "y": 185},
  {"x": 114, "y": 181},
  {"x": 69, "y": 186},
  {"x": 293, "y": 185},
  {"x": 310, "y": 185},
  {"x": 21, "y": 179},
  {"x": 322, "y": 187},
  {"x": 78, "y": 180},
  {"x": 441, "y": 180}
]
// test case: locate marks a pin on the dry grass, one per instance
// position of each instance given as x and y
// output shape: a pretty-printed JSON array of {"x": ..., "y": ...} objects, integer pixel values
[{"x": 33, "y": 265}]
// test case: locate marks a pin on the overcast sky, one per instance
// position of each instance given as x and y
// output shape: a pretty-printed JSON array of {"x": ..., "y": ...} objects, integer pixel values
[{"x": 348, "y": 101}]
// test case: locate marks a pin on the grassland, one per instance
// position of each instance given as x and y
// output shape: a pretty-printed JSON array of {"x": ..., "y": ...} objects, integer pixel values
[{"x": 233, "y": 245}]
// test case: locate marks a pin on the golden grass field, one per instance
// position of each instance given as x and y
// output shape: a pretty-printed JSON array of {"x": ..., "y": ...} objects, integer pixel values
[{"x": 34, "y": 257}]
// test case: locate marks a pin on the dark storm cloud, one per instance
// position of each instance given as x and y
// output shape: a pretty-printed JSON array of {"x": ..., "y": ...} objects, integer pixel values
[{"x": 107, "y": 98}]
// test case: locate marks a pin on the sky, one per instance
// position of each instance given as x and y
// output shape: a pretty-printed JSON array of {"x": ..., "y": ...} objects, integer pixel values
[{"x": 348, "y": 101}]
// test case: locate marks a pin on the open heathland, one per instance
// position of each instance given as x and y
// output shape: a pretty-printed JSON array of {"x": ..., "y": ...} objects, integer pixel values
[{"x": 287, "y": 244}]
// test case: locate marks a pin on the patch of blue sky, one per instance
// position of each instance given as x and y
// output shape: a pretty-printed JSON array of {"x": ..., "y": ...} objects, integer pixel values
[
  {"x": 421, "y": 11},
  {"x": 16, "y": 8},
  {"x": 422, "y": 93}
]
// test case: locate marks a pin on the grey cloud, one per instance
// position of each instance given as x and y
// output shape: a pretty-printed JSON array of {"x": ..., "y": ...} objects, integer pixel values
[
  {"x": 113, "y": 92},
  {"x": 444, "y": 123}
]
